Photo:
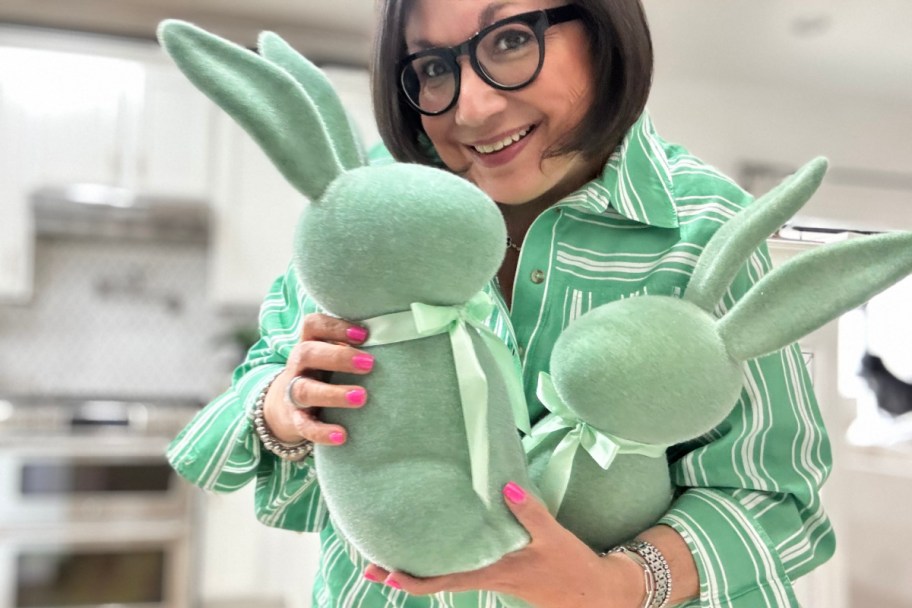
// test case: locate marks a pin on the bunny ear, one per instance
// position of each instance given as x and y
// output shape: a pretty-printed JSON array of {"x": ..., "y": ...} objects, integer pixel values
[
  {"x": 321, "y": 91},
  {"x": 734, "y": 242},
  {"x": 811, "y": 289},
  {"x": 268, "y": 103}
]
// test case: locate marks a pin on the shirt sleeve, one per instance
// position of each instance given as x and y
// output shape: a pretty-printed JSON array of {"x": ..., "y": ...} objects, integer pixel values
[
  {"x": 748, "y": 501},
  {"x": 219, "y": 450}
]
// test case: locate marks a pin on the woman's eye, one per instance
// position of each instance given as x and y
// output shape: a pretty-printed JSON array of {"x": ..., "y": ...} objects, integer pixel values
[
  {"x": 512, "y": 40},
  {"x": 434, "y": 69}
]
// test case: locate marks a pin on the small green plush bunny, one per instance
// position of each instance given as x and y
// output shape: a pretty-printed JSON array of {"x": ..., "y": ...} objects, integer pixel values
[
  {"x": 633, "y": 377},
  {"x": 407, "y": 251}
]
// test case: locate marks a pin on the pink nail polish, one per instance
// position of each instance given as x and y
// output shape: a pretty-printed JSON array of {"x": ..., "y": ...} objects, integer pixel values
[
  {"x": 514, "y": 493},
  {"x": 356, "y": 334},
  {"x": 393, "y": 582},
  {"x": 369, "y": 575},
  {"x": 356, "y": 396},
  {"x": 337, "y": 437},
  {"x": 365, "y": 362}
]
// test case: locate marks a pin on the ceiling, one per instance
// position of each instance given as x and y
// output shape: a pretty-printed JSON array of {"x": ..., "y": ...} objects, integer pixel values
[{"x": 856, "y": 47}]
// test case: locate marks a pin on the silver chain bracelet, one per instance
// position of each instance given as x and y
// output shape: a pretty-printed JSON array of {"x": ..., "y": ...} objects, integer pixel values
[
  {"x": 655, "y": 569},
  {"x": 293, "y": 452}
]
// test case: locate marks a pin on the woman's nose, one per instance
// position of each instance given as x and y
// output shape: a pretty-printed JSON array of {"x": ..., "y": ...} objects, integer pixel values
[{"x": 478, "y": 100}]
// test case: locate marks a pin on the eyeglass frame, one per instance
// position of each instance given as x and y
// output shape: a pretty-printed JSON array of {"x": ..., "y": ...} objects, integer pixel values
[{"x": 538, "y": 21}]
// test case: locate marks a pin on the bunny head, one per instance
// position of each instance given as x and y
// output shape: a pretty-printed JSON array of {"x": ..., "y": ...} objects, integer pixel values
[
  {"x": 371, "y": 239},
  {"x": 661, "y": 370}
]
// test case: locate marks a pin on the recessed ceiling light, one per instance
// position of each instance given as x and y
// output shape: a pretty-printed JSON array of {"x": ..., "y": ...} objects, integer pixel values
[{"x": 810, "y": 25}]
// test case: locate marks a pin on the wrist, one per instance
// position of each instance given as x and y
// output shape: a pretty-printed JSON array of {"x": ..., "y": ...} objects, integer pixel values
[
  {"x": 629, "y": 583},
  {"x": 294, "y": 450}
]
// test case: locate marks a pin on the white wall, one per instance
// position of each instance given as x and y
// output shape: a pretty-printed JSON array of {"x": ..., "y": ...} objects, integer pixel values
[{"x": 728, "y": 124}]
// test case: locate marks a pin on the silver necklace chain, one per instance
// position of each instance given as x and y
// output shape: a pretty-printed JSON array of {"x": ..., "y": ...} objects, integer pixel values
[{"x": 511, "y": 244}]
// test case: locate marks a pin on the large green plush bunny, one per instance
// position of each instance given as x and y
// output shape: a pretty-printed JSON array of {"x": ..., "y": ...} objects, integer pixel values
[
  {"x": 633, "y": 377},
  {"x": 407, "y": 251}
]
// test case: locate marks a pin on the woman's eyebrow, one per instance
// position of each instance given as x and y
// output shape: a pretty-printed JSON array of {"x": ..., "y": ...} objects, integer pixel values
[{"x": 486, "y": 18}]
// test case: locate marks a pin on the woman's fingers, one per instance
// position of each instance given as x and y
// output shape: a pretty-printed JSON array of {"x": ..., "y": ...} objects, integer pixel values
[
  {"x": 304, "y": 392},
  {"x": 323, "y": 356},
  {"x": 318, "y": 326},
  {"x": 528, "y": 510},
  {"x": 327, "y": 345},
  {"x": 309, "y": 427}
]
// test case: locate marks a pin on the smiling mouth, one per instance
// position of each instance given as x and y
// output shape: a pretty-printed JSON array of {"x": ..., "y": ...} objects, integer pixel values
[{"x": 506, "y": 142}]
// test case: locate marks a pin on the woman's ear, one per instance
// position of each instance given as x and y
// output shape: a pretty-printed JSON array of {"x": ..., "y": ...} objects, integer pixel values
[
  {"x": 811, "y": 289},
  {"x": 263, "y": 98}
]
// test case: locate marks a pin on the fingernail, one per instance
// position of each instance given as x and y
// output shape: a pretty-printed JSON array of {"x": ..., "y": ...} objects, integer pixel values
[
  {"x": 356, "y": 396},
  {"x": 356, "y": 334},
  {"x": 337, "y": 437},
  {"x": 514, "y": 493},
  {"x": 392, "y": 582},
  {"x": 365, "y": 362},
  {"x": 369, "y": 575}
]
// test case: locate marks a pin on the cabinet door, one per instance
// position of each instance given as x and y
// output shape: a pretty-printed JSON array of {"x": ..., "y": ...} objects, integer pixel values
[
  {"x": 175, "y": 135},
  {"x": 82, "y": 115},
  {"x": 255, "y": 212},
  {"x": 15, "y": 220}
]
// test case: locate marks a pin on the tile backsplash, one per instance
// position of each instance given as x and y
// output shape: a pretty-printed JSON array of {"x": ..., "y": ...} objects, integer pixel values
[{"x": 118, "y": 319}]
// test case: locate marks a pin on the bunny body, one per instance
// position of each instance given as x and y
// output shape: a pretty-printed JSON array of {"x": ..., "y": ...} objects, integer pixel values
[
  {"x": 406, "y": 489},
  {"x": 638, "y": 399},
  {"x": 400, "y": 489},
  {"x": 686, "y": 373}
]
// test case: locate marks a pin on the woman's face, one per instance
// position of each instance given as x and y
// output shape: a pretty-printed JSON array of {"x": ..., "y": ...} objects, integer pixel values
[{"x": 539, "y": 115}]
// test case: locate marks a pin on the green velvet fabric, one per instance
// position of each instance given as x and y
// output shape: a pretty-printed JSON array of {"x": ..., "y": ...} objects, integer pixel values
[
  {"x": 371, "y": 241},
  {"x": 662, "y": 370}
]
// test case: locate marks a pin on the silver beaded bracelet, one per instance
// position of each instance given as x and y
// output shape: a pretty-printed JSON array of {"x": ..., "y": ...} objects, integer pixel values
[
  {"x": 655, "y": 569},
  {"x": 293, "y": 452}
]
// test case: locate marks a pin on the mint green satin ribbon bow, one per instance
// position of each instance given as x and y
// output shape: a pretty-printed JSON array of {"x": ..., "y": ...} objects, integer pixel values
[
  {"x": 424, "y": 320},
  {"x": 602, "y": 447}
]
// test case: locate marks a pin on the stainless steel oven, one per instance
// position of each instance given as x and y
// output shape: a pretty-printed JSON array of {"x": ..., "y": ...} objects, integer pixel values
[{"x": 90, "y": 512}]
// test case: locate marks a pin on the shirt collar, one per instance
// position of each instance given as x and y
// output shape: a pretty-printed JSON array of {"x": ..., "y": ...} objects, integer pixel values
[{"x": 636, "y": 181}]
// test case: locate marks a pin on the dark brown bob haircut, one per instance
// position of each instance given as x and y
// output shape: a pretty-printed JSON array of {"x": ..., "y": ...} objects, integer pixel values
[{"x": 622, "y": 60}]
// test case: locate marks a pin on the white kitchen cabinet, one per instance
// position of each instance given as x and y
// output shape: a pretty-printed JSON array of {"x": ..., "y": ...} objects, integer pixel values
[
  {"x": 138, "y": 125},
  {"x": 15, "y": 222},
  {"x": 254, "y": 214},
  {"x": 82, "y": 115},
  {"x": 75, "y": 109},
  {"x": 256, "y": 209},
  {"x": 175, "y": 138}
]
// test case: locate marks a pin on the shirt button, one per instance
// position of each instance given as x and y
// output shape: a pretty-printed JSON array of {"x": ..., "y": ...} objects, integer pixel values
[{"x": 537, "y": 276}]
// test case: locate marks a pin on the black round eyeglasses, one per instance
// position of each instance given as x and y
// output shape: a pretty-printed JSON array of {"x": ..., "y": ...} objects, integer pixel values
[{"x": 508, "y": 55}]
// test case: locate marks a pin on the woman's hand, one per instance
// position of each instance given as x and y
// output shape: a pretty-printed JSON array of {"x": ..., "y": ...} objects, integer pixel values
[
  {"x": 555, "y": 570},
  {"x": 327, "y": 345}
]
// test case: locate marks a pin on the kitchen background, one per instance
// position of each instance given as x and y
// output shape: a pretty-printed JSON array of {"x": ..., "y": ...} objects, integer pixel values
[{"x": 139, "y": 229}]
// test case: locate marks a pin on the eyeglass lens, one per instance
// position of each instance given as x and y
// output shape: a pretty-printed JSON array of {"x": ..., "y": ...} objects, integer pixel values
[{"x": 507, "y": 56}]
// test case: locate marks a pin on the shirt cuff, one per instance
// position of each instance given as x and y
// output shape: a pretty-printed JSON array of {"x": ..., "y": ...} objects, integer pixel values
[
  {"x": 736, "y": 559},
  {"x": 219, "y": 450}
]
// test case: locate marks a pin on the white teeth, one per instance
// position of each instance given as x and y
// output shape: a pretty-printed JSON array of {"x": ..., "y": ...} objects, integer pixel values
[{"x": 500, "y": 145}]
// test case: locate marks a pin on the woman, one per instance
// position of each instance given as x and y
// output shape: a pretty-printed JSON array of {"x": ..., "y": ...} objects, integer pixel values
[{"x": 540, "y": 104}]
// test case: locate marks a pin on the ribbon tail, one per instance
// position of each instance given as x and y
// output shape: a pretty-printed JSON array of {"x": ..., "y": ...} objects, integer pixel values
[
  {"x": 602, "y": 448},
  {"x": 473, "y": 390},
  {"x": 512, "y": 379},
  {"x": 542, "y": 430},
  {"x": 556, "y": 478}
]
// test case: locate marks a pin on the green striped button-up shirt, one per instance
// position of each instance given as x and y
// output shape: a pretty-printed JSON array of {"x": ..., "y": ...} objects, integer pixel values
[{"x": 747, "y": 500}]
